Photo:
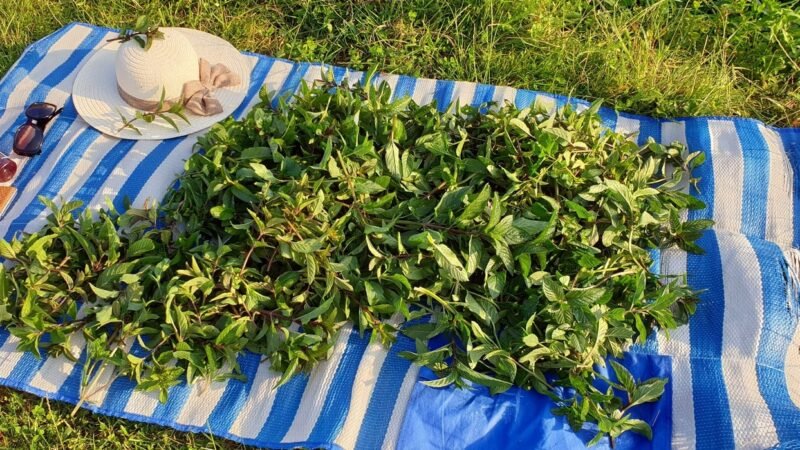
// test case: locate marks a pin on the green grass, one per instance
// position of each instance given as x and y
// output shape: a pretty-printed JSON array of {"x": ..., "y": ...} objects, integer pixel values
[{"x": 662, "y": 58}]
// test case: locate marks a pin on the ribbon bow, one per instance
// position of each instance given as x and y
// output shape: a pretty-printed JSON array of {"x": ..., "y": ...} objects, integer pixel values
[{"x": 198, "y": 95}]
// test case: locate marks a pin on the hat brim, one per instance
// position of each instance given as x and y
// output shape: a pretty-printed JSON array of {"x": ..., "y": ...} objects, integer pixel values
[{"x": 96, "y": 99}]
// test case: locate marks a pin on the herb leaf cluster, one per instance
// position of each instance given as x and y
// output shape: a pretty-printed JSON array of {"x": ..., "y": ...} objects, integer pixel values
[
  {"x": 144, "y": 32},
  {"x": 524, "y": 237},
  {"x": 163, "y": 110}
]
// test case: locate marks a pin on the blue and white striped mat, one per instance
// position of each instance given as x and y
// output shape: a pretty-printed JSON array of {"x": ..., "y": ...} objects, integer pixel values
[{"x": 736, "y": 367}]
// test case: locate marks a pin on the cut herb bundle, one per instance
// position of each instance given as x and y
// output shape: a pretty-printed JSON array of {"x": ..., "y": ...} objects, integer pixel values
[{"x": 525, "y": 236}]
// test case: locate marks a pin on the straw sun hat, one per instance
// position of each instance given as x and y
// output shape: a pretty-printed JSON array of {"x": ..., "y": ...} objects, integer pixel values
[{"x": 204, "y": 71}]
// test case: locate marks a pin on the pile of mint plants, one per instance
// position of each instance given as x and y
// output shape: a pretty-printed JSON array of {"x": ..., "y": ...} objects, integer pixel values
[{"x": 519, "y": 241}]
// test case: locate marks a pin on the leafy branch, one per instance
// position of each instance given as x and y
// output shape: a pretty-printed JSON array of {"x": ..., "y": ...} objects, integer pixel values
[
  {"x": 144, "y": 33},
  {"x": 177, "y": 109}
]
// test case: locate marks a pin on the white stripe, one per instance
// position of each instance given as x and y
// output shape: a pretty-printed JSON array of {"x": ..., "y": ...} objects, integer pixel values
[
  {"x": 316, "y": 392},
  {"x": 121, "y": 173},
  {"x": 42, "y": 175},
  {"x": 54, "y": 372},
  {"x": 85, "y": 167},
  {"x": 676, "y": 132},
  {"x": 628, "y": 126},
  {"x": 312, "y": 75},
  {"x": 258, "y": 405},
  {"x": 780, "y": 201},
  {"x": 673, "y": 132},
  {"x": 400, "y": 406},
  {"x": 352, "y": 77},
  {"x": 545, "y": 103},
  {"x": 166, "y": 173},
  {"x": 363, "y": 386},
  {"x": 743, "y": 319},
  {"x": 203, "y": 398},
  {"x": 9, "y": 356},
  {"x": 673, "y": 262},
  {"x": 97, "y": 395},
  {"x": 144, "y": 403},
  {"x": 59, "y": 52},
  {"x": 728, "y": 169},
  {"x": 504, "y": 95},
  {"x": 463, "y": 93},
  {"x": 423, "y": 91},
  {"x": 390, "y": 79},
  {"x": 277, "y": 76}
]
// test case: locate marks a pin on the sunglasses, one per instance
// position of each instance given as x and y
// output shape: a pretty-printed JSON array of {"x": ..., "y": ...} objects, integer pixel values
[{"x": 29, "y": 137}]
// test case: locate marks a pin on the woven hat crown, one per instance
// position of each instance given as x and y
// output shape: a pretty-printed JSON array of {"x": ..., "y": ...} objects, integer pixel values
[{"x": 167, "y": 65}]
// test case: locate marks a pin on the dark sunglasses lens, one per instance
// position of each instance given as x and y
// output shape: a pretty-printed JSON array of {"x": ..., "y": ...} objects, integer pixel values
[
  {"x": 40, "y": 111},
  {"x": 28, "y": 140}
]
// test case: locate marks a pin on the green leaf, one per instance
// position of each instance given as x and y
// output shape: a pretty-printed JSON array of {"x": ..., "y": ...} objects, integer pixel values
[
  {"x": 221, "y": 212},
  {"x": 648, "y": 391},
  {"x": 449, "y": 261},
  {"x": 478, "y": 204},
  {"x": 640, "y": 427},
  {"x": 392, "y": 157},
  {"x": 553, "y": 290},
  {"x": 141, "y": 247},
  {"x": 316, "y": 312},
  {"x": 307, "y": 246},
  {"x": 623, "y": 376},
  {"x": 103, "y": 294}
]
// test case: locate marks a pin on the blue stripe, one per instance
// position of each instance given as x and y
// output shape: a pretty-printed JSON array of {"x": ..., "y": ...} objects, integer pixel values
[
  {"x": 233, "y": 399},
  {"x": 3, "y": 336},
  {"x": 284, "y": 408},
  {"x": 29, "y": 364},
  {"x": 122, "y": 388},
  {"x": 257, "y": 78},
  {"x": 609, "y": 117},
  {"x": 712, "y": 413},
  {"x": 137, "y": 179},
  {"x": 384, "y": 396},
  {"x": 649, "y": 128},
  {"x": 337, "y": 403},
  {"x": 291, "y": 82},
  {"x": 71, "y": 388},
  {"x": 101, "y": 173},
  {"x": 484, "y": 93},
  {"x": 776, "y": 333},
  {"x": 168, "y": 412},
  {"x": 338, "y": 74},
  {"x": 404, "y": 87},
  {"x": 27, "y": 62},
  {"x": 59, "y": 175},
  {"x": 64, "y": 70},
  {"x": 651, "y": 345},
  {"x": 790, "y": 138},
  {"x": 755, "y": 156},
  {"x": 697, "y": 138},
  {"x": 443, "y": 94},
  {"x": 524, "y": 99}
]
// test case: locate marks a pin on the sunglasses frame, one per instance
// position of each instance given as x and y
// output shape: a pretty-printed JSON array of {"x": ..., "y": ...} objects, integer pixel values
[{"x": 39, "y": 123}]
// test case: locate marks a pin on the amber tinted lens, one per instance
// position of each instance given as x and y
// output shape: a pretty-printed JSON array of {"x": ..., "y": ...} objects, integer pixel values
[
  {"x": 7, "y": 169},
  {"x": 40, "y": 111},
  {"x": 28, "y": 140}
]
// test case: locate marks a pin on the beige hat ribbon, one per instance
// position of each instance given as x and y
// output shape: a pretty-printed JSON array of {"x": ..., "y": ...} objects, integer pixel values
[{"x": 198, "y": 95}]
